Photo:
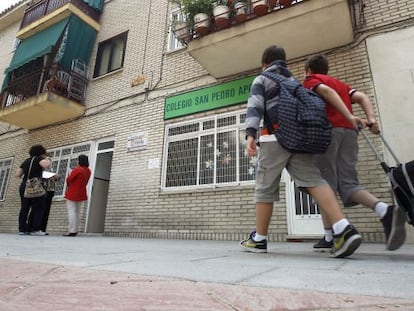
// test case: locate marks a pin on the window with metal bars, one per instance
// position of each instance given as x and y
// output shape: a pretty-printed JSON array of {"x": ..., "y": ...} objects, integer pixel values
[
  {"x": 5, "y": 169},
  {"x": 63, "y": 160},
  {"x": 207, "y": 152}
]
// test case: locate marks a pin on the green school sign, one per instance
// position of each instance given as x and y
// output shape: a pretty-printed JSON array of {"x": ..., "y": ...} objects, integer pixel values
[{"x": 218, "y": 96}]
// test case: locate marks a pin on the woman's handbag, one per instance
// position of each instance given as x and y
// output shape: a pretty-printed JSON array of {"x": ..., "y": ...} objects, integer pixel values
[{"x": 34, "y": 188}]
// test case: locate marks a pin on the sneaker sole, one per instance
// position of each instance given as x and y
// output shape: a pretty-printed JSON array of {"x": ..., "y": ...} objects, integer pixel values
[
  {"x": 253, "y": 250},
  {"x": 350, "y": 246},
  {"x": 398, "y": 233},
  {"x": 322, "y": 249}
]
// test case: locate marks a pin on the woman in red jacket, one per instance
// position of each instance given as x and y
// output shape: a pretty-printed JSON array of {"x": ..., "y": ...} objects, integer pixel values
[{"x": 76, "y": 193}]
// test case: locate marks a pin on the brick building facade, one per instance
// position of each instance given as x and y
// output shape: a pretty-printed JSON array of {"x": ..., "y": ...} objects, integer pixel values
[{"x": 130, "y": 142}]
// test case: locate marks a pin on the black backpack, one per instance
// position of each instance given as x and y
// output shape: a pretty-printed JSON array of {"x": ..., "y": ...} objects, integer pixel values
[{"x": 303, "y": 123}]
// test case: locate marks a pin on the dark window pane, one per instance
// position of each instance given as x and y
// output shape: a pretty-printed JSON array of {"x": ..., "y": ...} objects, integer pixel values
[
  {"x": 106, "y": 145},
  {"x": 182, "y": 163},
  {"x": 110, "y": 55}
]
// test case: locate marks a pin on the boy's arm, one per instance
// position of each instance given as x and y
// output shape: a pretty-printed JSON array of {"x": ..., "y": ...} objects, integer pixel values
[
  {"x": 254, "y": 113},
  {"x": 251, "y": 148},
  {"x": 363, "y": 100},
  {"x": 331, "y": 97}
]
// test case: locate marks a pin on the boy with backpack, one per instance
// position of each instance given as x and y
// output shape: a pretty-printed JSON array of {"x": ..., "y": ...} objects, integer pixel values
[
  {"x": 338, "y": 164},
  {"x": 273, "y": 158}
]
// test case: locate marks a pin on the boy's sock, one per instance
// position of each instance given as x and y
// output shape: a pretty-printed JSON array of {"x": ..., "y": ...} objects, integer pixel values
[
  {"x": 328, "y": 235},
  {"x": 381, "y": 209},
  {"x": 340, "y": 225},
  {"x": 258, "y": 237}
]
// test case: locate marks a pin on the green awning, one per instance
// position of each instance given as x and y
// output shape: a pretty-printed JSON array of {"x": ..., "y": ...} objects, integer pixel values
[
  {"x": 37, "y": 45},
  {"x": 77, "y": 42},
  {"x": 96, "y": 4}
]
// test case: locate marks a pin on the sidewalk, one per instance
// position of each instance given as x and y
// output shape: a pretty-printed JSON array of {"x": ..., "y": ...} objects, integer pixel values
[{"x": 105, "y": 273}]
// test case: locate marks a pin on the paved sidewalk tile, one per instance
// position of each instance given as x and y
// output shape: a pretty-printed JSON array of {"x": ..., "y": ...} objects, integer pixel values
[
  {"x": 34, "y": 286},
  {"x": 89, "y": 273}
]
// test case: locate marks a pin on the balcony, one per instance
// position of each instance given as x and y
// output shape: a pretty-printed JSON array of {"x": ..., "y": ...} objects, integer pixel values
[
  {"x": 45, "y": 13},
  {"x": 43, "y": 97},
  {"x": 304, "y": 28}
]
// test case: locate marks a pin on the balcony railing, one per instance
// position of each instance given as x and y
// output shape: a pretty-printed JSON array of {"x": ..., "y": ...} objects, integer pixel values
[
  {"x": 45, "y": 7},
  {"x": 237, "y": 15},
  {"x": 233, "y": 46},
  {"x": 245, "y": 12},
  {"x": 68, "y": 84}
]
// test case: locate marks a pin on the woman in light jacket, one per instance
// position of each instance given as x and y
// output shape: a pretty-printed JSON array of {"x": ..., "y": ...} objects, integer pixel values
[{"x": 76, "y": 193}]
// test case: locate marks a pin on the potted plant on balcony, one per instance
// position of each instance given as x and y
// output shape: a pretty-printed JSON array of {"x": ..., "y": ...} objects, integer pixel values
[
  {"x": 260, "y": 7},
  {"x": 221, "y": 12},
  {"x": 285, "y": 3},
  {"x": 271, "y": 4},
  {"x": 241, "y": 9},
  {"x": 282, "y": 3},
  {"x": 199, "y": 11}
]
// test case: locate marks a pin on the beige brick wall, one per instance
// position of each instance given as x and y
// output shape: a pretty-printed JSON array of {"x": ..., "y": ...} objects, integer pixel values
[
  {"x": 385, "y": 13},
  {"x": 136, "y": 206}
]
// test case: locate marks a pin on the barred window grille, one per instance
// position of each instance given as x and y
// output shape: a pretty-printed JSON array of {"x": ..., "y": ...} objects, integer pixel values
[
  {"x": 207, "y": 152},
  {"x": 5, "y": 169},
  {"x": 305, "y": 205},
  {"x": 63, "y": 160}
]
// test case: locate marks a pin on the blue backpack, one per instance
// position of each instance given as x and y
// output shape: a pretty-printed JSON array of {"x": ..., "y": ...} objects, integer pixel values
[{"x": 303, "y": 124}]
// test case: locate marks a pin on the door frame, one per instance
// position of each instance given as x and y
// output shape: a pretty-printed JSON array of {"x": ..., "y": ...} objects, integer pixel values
[
  {"x": 299, "y": 226},
  {"x": 94, "y": 155}
]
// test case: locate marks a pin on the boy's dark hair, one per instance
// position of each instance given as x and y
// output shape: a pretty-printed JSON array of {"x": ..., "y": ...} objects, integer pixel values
[
  {"x": 83, "y": 160},
  {"x": 273, "y": 53},
  {"x": 37, "y": 150},
  {"x": 317, "y": 64}
]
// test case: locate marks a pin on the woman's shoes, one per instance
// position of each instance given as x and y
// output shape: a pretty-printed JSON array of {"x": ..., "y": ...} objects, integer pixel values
[{"x": 71, "y": 234}]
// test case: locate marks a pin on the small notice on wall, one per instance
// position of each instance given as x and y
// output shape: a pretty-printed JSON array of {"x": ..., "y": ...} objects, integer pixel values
[
  {"x": 137, "y": 141},
  {"x": 153, "y": 163}
]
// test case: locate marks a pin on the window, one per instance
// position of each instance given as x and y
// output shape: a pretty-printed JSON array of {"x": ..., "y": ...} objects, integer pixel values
[
  {"x": 207, "y": 152},
  {"x": 5, "y": 168},
  {"x": 173, "y": 42},
  {"x": 110, "y": 55},
  {"x": 63, "y": 160}
]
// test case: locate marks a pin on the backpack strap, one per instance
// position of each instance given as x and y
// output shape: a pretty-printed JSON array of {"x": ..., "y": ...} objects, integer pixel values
[
  {"x": 274, "y": 76},
  {"x": 407, "y": 178},
  {"x": 277, "y": 78},
  {"x": 30, "y": 168},
  {"x": 291, "y": 85}
]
